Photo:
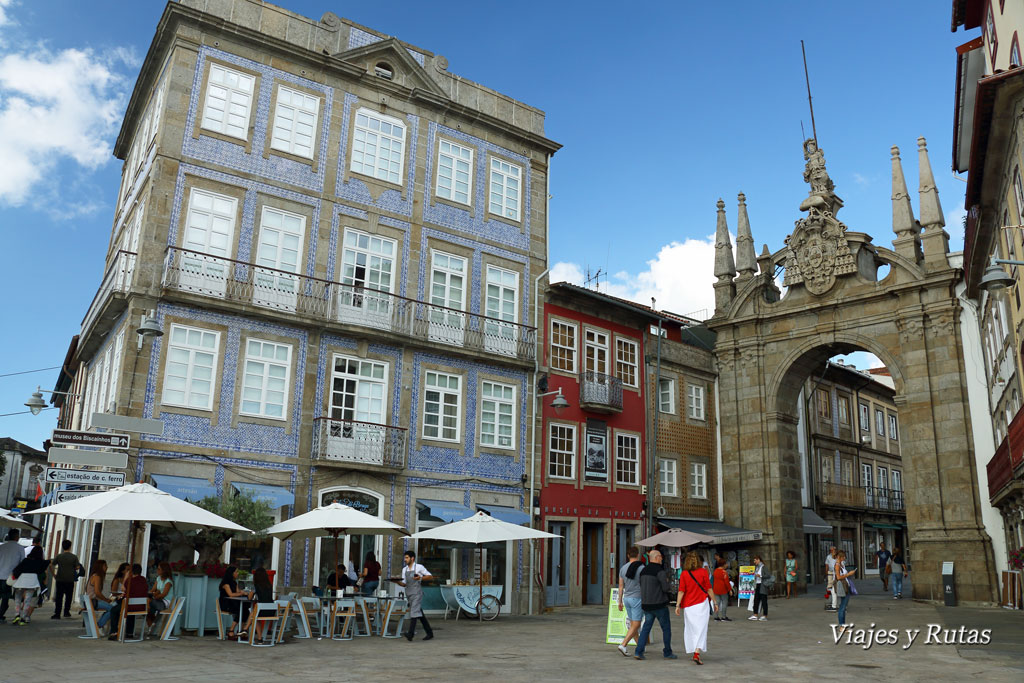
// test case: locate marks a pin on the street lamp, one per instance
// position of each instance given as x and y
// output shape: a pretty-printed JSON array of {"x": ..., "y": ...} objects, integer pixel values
[
  {"x": 559, "y": 403},
  {"x": 149, "y": 327},
  {"x": 995, "y": 278},
  {"x": 36, "y": 403}
]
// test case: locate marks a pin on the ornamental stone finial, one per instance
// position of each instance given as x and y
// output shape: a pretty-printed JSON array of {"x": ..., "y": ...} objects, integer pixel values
[
  {"x": 903, "y": 223},
  {"x": 725, "y": 266},
  {"x": 931, "y": 210},
  {"x": 746, "y": 262}
]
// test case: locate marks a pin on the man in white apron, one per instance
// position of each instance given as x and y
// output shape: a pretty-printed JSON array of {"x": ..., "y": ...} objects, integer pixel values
[{"x": 413, "y": 574}]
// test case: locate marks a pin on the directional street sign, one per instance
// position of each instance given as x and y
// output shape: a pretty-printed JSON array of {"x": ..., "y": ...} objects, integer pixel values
[
  {"x": 77, "y": 456},
  {"x": 128, "y": 424},
  {"x": 58, "y": 475},
  {"x": 68, "y": 437},
  {"x": 65, "y": 496}
]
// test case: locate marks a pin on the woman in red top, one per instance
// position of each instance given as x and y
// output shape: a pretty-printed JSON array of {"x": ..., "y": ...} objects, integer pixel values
[
  {"x": 695, "y": 601},
  {"x": 723, "y": 589}
]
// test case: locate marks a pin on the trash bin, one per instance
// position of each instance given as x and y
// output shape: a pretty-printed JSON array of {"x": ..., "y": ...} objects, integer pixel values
[{"x": 948, "y": 587}]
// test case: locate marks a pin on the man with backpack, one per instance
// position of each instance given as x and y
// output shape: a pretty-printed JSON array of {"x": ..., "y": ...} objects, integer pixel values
[
  {"x": 629, "y": 596},
  {"x": 656, "y": 590}
]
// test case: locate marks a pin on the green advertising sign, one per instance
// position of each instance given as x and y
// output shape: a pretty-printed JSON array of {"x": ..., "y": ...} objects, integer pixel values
[{"x": 618, "y": 622}]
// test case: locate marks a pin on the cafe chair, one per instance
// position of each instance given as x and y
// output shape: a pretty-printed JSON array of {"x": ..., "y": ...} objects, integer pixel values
[
  {"x": 363, "y": 627},
  {"x": 90, "y": 620},
  {"x": 284, "y": 613},
  {"x": 267, "y": 614},
  {"x": 343, "y": 611},
  {"x": 169, "y": 617},
  {"x": 222, "y": 632},
  {"x": 135, "y": 609},
  {"x": 305, "y": 609},
  {"x": 398, "y": 610}
]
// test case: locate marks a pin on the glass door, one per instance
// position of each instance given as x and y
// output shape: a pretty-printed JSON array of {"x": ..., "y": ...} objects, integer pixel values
[
  {"x": 447, "y": 299},
  {"x": 208, "y": 234},
  {"x": 367, "y": 271},
  {"x": 279, "y": 253},
  {"x": 502, "y": 293},
  {"x": 557, "y": 566},
  {"x": 357, "y": 430}
]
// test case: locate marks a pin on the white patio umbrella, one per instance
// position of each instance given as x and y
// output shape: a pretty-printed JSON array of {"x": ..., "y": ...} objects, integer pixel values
[
  {"x": 479, "y": 529},
  {"x": 140, "y": 503},
  {"x": 334, "y": 520},
  {"x": 10, "y": 522},
  {"x": 676, "y": 538}
]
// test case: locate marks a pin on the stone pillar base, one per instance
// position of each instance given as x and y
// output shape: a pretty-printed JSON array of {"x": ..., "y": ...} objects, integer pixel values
[{"x": 973, "y": 567}]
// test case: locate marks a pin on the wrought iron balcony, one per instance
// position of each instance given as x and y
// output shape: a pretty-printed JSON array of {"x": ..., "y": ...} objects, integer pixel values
[
  {"x": 323, "y": 300},
  {"x": 890, "y": 500},
  {"x": 117, "y": 279},
  {"x": 846, "y": 496},
  {"x": 600, "y": 392},
  {"x": 360, "y": 443}
]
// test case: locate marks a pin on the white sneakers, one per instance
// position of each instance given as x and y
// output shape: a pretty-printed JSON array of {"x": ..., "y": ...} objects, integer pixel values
[
  {"x": 762, "y": 618},
  {"x": 757, "y": 618},
  {"x": 753, "y": 618},
  {"x": 622, "y": 649}
]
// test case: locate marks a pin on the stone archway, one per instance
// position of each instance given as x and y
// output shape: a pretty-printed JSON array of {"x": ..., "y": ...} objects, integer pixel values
[{"x": 768, "y": 344}]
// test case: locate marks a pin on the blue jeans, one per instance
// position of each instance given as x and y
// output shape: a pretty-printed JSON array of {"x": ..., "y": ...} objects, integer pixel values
[
  {"x": 843, "y": 602},
  {"x": 370, "y": 587},
  {"x": 661, "y": 614},
  {"x": 897, "y": 583},
  {"x": 105, "y": 607}
]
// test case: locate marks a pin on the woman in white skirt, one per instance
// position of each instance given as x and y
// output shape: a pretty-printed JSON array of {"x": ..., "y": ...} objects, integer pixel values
[
  {"x": 26, "y": 582},
  {"x": 695, "y": 601}
]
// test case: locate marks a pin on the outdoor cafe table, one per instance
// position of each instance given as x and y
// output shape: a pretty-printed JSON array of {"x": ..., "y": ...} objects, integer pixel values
[{"x": 242, "y": 599}]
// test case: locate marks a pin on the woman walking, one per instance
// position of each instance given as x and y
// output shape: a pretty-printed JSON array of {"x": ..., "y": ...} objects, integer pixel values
[
  {"x": 26, "y": 583},
  {"x": 723, "y": 589},
  {"x": 762, "y": 582},
  {"x": 695, "y": 601},
  {"x": 899, "y": 572},
  {"x": 842, "y": 586},
  {"x": 791, "y": 572}
]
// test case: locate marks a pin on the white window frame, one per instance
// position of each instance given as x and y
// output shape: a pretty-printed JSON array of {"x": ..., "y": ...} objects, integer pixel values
[
  {"x": 514, "y": 287},
  {"x": 192, "y": 350},
  {"x": 499, "y": 402},
  {"x": 695, "y": 401},
  {"x": 264, "y": 378},
  {"x": 115, "y": 370},
  {"x": 105, "y": 378},
  {"x": 664, "y": 467},
  {"x": 362, "y": 134},
  {"x": 222, "y": 126},
  {"x": 894, "y": 430},
  {"x": 454, "y": 154},
  {"x": 867, "y": 475},
  {"x": 571, "y": 436},
  {"x": 865, "y": 416},
  {"x": 573, "y": 352},
  {"x": 880, "y": 422},
  {"x": 632, "y": 462},
  {"x": 443, "y": 392},
  {"x": 299, "y": 103},
  {"x": 369, "y": 254},
  {"x": 504, "y": 171},
  {"x": 622, "y": 345},
  {"x": 358, "y": 378},
  {"x": 897, "y": 480},
  {"x": 699, "y": 480},
  {"x": 671, "y": 408},
  {"x": 843, "y": 408}
]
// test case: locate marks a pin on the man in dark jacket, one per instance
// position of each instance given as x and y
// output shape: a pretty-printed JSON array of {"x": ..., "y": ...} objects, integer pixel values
[{"x": 655, "y": 593}]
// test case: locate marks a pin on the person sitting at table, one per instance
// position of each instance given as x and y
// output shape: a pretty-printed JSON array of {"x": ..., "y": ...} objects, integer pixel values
[
  {"x": 264, "y": 592},
  {"x": 162, "y": 593},
  {"x": 135, "y": 586},
  {"x": 117, "y": 583},
  {"x": 228, "y": 589},
  {"x": 94, "y": 592},
  {"x": 371, "y": 574},
  {"x": 338, "y": 579}
]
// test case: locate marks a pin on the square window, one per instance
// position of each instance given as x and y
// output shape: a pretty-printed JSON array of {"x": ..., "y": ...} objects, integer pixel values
[
  {"x": 294, "y": 127},
  {"x": 454, "y": 172},
  {"x": 497, "y": 414},
  {"x": 667, "y": 395},
  {"x": 190, "y": 371},
  {"x": 265, "y": 379},
  {"x": 442, "y": 399},
  {"x": 378, "y": 146},
  {"x": 562, "y": 451},
  {"x": 505, "y": 189},
  {"x": 228, "y": 102}
]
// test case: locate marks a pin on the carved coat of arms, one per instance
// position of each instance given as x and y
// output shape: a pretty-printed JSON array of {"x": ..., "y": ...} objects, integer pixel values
[{"x": 818, "y": 252}]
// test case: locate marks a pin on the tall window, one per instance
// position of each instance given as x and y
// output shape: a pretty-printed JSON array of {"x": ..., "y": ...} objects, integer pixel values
[
  {"x": 448, "y": 281},
  {"x": 698, "y": 480},
  {"x": 1018, "y": 193},
  {"x": 667, "y": 395},
  {"x": 883, "y": 478},
  {"x": 695, "y": 401},
  {"x": 441, "y": 406},
  {"x": 265, "y": 384},
  {"x": 115, "y": 369},
  {"x": 295, "y": 122},
  {"x": 358, "y": 388},
  {"x": 1015, "y": 52},
  {"x": 279, "y": 249},
  {"x": 497, "y": 407},
  {"x": 505, "y": 188},
  {"x": 563, "y": 346},
  {"x": 228, "y": 102},
  {"x": 865, "y": 475},
  {"x": 865, "y": 417},
  {"x": 500, "y": 307},
  {"x": 102, "y": 403},
  {"x": 191, "y": 368},
  {"x": 990, "y": 34},
  {"x": 627, "y": 459},
  {"x": 879, "y": 422},
  {"x": 843, "y": 405},
  {"x": 378, "y": 146},
  {"x": 562, "y": 451},
  {"x": 893, "y": 427},
  {"x": 626, "y": 361},
  {"x": 667, "y": 477},
  {"x": 595, "y": 351},
  {"x": 368, "y": 261},
  {"x": 897, "y": 480},
  {"x": 454, "y": 172},
  {"x": 826, "y": 469},
  {"x": 821, "y": 397}
]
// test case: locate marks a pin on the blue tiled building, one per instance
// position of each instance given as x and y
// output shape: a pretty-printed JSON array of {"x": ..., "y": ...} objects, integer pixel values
[{"x": 341, "y": 242}]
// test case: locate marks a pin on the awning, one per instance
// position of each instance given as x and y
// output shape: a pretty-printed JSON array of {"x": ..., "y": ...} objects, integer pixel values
[
  {"x": 723, "y": 533},
  {"x": 276, "y": 496},
  {"x": 187, "y": 488},
  {"x": 813, "y": 524},
  {"x": 506, "y": 514},
  {"x": 446, "y": 510},
  {"x": 883, "y": 526}
]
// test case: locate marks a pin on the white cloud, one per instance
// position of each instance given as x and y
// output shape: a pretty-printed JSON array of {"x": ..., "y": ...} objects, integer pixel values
[
  {"x": 861, "y": 180},
  {"x": 680, "y": 277},
  {"x": 56, "y": 107},
  {"x": 4, "y": 6}
]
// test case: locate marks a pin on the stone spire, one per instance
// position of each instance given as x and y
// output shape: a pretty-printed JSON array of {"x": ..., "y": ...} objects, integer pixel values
[
  {"x": 725, "y": 268},
  {"x": 903, "y": 223},
  {"x": 746, "y": 262},
  {"x": 935, "y": 240}
]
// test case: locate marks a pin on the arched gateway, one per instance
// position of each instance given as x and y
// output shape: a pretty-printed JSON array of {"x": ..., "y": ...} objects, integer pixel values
[{"x": 834, "y": 303}]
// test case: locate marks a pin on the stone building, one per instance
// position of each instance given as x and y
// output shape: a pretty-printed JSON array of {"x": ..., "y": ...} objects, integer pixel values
[
  {"x": 341, "y": 241},
  {"x": 988, "y": 145},
  {"x": 853, "y": 471},
  {"x": 22, "y": 469}
]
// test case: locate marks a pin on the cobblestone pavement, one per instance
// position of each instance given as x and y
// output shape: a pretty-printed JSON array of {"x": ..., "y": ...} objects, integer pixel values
[{"x": 795, "y": 644}]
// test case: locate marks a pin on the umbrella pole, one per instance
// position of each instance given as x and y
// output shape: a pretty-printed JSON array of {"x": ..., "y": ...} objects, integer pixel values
[{"x": 480, "y": 605}]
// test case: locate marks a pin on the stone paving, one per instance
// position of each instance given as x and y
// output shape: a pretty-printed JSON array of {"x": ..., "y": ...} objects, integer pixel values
[{"x": 795, "y": 644}]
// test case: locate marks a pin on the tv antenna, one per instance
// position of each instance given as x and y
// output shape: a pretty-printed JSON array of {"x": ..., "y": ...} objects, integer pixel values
[{"x": 594, "y": 279}]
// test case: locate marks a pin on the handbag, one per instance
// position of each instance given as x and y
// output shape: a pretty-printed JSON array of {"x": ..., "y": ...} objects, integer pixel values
[
  {"x": 699, "y": 586},
  {"x": 888, "y": 567},
  {"x": 849, "y": 584}
]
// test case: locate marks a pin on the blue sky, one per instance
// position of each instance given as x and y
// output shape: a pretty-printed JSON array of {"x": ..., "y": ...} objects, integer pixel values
[{"x": 662, "y": 108}]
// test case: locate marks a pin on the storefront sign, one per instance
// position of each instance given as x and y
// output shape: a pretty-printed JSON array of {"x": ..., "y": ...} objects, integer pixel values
[
  {"x": 618, "y": 622},
  {"x": 596, "y": 454},
  {"x": 746, "y": 583}
]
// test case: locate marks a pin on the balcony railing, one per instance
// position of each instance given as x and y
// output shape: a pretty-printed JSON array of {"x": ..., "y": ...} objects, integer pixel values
[
  {"x": 362, "y": 443},
  {"x": 868, "y": 497},
  {"x": 999, "y": 469},
  {"x": 838, "y": 494},
  {"x": 118, "y": 278},
  {"x": 890, "y": 500},
  {"x": 599, "y": 391},
  {"x": 279, "y": 290}
]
